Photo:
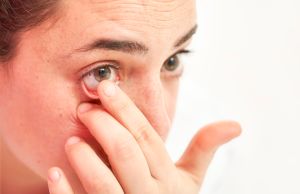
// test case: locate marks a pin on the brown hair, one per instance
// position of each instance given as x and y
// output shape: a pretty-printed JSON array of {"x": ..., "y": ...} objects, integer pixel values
[{"x": 17, "y": 16}]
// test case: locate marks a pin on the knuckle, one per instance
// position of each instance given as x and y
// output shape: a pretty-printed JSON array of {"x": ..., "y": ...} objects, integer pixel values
[
  {"x": 124, "y": 149},
  {"x": 142, "y": 133}
]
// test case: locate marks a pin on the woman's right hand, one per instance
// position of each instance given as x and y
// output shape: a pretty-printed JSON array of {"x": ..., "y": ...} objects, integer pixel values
[{"x": 137, "y": 155}]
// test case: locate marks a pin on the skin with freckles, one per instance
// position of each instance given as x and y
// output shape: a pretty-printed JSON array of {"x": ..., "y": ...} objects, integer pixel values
[{"x": 116, "y": 144}]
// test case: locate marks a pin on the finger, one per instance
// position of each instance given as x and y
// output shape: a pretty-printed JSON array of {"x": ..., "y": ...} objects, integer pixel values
[
  {"x": 57, "y": 182},
  {"x": 120, "y": 106},
  {"x": 200, "y": 152},
  {"x": 94, "y": 175},
  {"x": 125, "y": 156}
]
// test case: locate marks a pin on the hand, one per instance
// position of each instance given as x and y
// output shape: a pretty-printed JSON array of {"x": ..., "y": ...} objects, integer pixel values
[{"x": 138, "y": 159}]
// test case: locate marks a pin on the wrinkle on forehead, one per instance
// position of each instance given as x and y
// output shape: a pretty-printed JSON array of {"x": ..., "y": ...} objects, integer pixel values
[{"x": 153, "y": 13}]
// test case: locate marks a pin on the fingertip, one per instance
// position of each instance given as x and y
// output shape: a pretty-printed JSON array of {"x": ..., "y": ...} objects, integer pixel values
[
  {"x": 218, "y": 133},
  {"x": 237, "y": 129},
  {"x": 54, "y": 175},
  {"x": 72, "y": 141},
  {"x": 205, "y": 143},
  {"x": 107, "y": 88},
  {"x": 231, "y": 129},
  {"x": 84, "y": 107},
  {"x": 57, "y": 182},
  {"x": 226, "y": 127}
]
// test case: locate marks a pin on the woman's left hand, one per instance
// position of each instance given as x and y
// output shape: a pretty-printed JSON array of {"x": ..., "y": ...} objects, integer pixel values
[{"x": 137, "y": 156}]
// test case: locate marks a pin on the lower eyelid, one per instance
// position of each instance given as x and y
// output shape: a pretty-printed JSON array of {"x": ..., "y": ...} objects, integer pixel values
[
  {"x": 90, "y": 93},
  {"x": 177, "y": 72}
]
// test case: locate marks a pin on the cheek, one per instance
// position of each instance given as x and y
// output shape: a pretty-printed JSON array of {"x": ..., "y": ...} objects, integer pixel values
[{"x": 37, "y": 120}]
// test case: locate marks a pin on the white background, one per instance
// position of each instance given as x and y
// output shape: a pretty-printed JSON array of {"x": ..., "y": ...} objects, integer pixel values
[{"x": 246, "y": 67}]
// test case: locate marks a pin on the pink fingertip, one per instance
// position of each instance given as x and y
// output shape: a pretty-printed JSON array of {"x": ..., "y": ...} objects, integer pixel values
[
  {"x": 73, "y": 140},
  {"x": 84, "y": 107},
  {"x": 54, "y": 175}
]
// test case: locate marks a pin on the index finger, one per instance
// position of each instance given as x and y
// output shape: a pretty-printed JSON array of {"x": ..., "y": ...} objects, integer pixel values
[{"x": 120, "y": 106}]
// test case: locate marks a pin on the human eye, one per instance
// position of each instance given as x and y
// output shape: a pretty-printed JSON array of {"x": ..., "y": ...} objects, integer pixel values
[
  {"x": 93, "y": 76},
  {"x": 173, "y": 66}
]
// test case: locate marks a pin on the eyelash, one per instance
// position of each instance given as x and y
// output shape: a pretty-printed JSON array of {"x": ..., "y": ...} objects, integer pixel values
[{"x": 181, "y": 52}]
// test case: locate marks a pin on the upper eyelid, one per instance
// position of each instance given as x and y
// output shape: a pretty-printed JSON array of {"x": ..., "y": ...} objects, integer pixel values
[{"x": 96, "y": 65}]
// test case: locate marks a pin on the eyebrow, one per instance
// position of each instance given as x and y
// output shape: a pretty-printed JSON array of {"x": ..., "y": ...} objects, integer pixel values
[
  {"x": 186, "y": 37},
  {"x": 131, "y": 47}
]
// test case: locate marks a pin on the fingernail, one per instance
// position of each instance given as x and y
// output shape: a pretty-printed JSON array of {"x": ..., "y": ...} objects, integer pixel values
[
  {"x": 73, "y": 140},
  {"x": 84, "y": 107},
  {"x": 54, "y": 175},
  {"x": 109, "y": 89}
]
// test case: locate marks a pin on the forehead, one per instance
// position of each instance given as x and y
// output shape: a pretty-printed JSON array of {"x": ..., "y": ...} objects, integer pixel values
[
  {"x": 156, "y": 13},
  {"x": 137, "y": 16}
]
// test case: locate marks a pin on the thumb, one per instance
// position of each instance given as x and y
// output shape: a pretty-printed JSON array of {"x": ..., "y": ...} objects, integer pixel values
[{"x": 200, "y": 151}]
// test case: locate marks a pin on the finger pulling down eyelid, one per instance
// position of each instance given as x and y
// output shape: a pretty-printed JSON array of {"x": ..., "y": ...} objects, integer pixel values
[{"x": 93, "y": 94}]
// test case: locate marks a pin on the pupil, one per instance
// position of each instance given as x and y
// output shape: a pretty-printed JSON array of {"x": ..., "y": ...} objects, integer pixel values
[
  {"x": 172, "y": 64},
  {"x": 102, "y": 73}
]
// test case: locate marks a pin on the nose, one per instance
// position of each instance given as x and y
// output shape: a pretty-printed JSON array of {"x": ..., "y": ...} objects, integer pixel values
[{"x": 148, "y": 95}]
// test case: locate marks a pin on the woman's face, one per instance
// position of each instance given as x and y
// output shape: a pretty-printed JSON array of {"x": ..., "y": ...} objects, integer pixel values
[{"x": 59, "y": 64}]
